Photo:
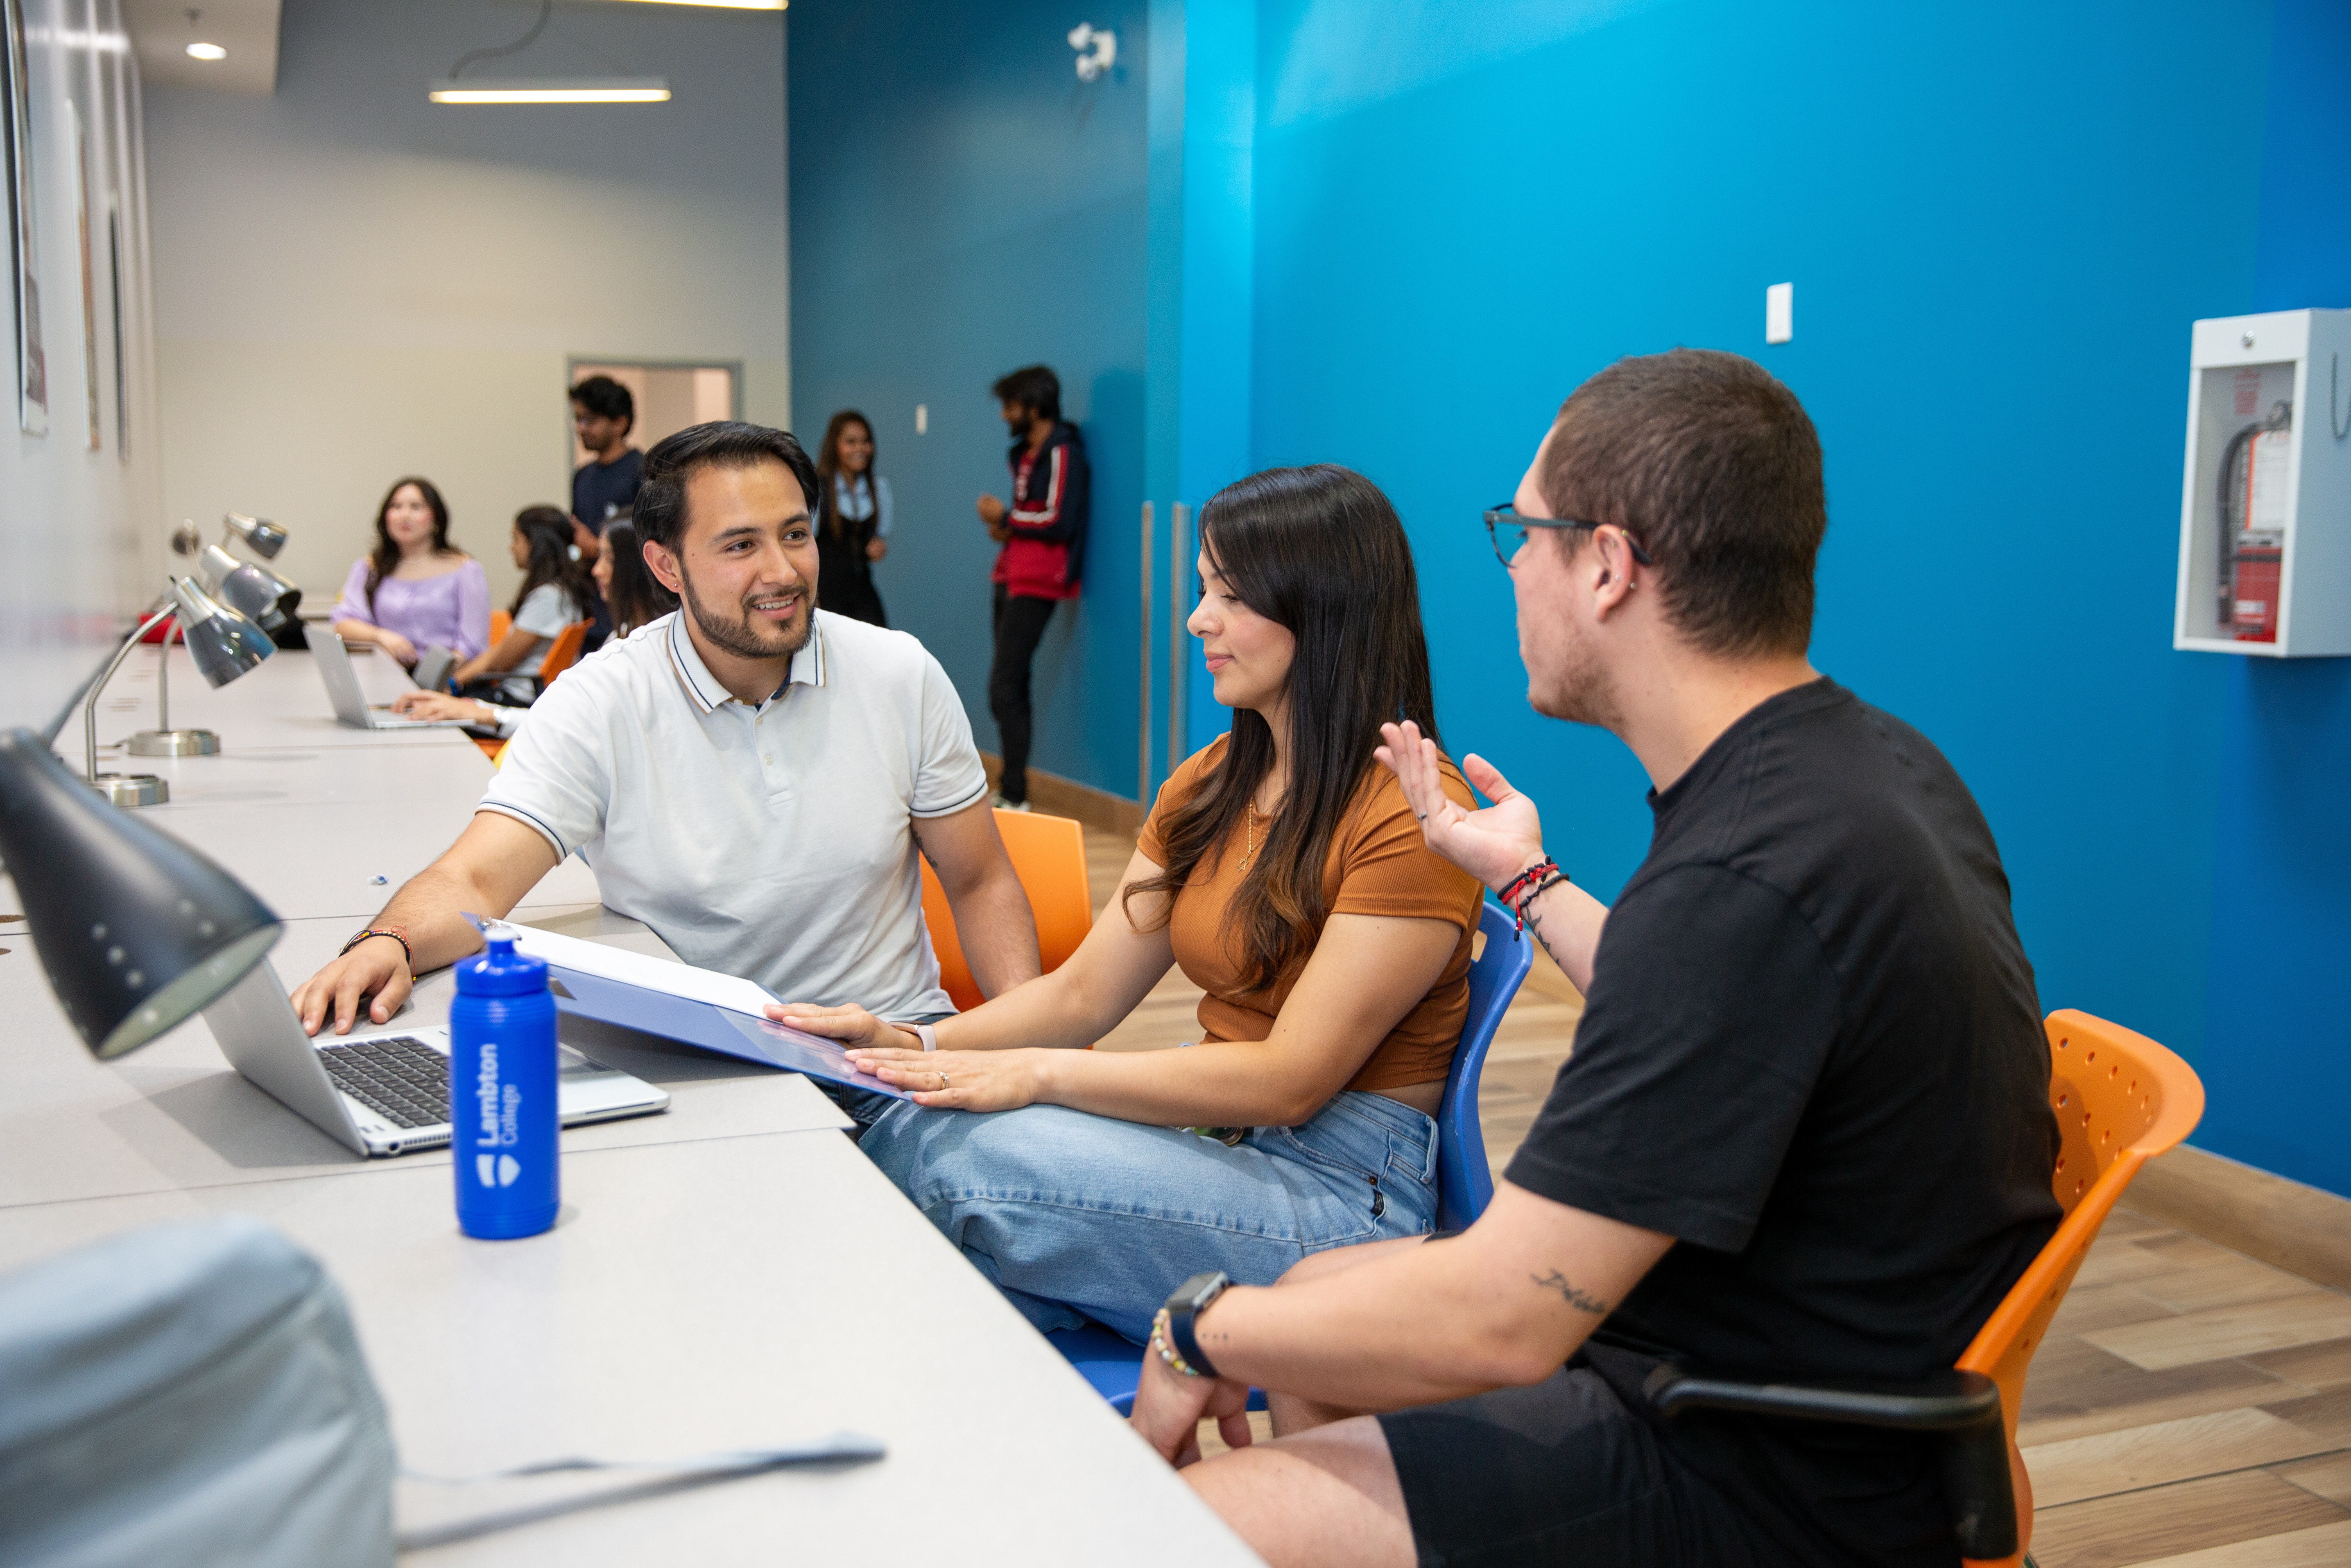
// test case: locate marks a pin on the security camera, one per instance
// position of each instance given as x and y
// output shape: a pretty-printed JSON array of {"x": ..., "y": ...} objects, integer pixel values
[{"x": 1097, "y": 50}]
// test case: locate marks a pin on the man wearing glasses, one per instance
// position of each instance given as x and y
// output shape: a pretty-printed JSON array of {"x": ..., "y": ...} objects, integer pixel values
[{"x": 1804, "y": 1135}]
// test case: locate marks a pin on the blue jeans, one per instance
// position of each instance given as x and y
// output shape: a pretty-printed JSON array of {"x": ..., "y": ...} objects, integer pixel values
[{"x": 1075, "y": 1216}]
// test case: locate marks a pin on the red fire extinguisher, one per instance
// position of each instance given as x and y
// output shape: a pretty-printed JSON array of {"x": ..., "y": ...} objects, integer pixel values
[{"x": 2252, "y": 511}]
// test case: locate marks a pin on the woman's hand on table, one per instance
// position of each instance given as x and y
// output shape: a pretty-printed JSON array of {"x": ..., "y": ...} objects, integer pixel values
[
  {"x": 399, "y": 647},
  {"x": 422, "y": 704}
]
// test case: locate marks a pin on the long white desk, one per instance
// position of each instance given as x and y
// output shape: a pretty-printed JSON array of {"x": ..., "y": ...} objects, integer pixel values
[{"x": 730, "y": 1274}]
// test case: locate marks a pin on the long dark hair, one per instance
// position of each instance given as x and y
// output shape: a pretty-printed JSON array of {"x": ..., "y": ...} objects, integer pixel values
[
  {"x": 548, "y": 531},
  {"x": 386, "y": 558},
  {"x": 636, "y": 596},
  {"x": 828, "y": 468},
  {"x": 1321, "y": 552}
]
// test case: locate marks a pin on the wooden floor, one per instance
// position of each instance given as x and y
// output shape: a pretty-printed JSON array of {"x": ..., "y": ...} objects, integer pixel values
[{"x": 2190, "y": 1407}]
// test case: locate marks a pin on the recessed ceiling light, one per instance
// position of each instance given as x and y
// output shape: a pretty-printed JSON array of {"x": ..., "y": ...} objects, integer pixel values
[
  {"x": 206, "y": 52},
  {"x": 592, "y": 89}
]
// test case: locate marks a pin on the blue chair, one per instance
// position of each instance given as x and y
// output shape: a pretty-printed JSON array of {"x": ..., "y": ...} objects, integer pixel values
[{"x": 1464, "y": 1185}]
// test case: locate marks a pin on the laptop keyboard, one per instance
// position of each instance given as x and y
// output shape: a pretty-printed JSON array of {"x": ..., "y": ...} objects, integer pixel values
[{"x": 404, "y": 1081}]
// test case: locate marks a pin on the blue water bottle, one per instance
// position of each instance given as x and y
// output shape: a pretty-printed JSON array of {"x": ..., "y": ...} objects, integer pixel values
[{"x": 502, "y": 1085}]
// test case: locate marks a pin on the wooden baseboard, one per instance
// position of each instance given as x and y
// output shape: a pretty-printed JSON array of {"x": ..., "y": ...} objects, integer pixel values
[
  {"x": 2300, "y": 1229},
  {"x": 1067, "y": 797}
]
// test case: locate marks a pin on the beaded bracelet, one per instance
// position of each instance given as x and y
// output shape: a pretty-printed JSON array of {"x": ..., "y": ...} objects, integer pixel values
[
  {"x": 1163, "y": 1341},
  {"x": 395, "y": 933}
]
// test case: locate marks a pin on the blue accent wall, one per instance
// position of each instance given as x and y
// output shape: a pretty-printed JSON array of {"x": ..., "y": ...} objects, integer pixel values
[
  {"x": 2000, "y": 222},
  {"x": 961, "y": 206},
  {"x": 2277, "y": 1042}
]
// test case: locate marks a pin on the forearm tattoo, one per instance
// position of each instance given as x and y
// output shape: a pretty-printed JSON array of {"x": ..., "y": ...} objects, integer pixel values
[
  {"x": 1581, "y": 1301},
  {"x": 1534, "y": 924}
]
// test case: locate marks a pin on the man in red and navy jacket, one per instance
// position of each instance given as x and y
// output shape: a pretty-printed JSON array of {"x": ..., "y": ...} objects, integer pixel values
[{"x": 1043, "y": 533}]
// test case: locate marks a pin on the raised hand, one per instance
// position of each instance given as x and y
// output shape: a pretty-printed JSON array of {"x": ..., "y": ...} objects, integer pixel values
[{"x": 1493, "y": 845}]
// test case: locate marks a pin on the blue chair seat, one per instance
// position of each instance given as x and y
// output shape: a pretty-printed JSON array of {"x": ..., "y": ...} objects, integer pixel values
[{"x": 1464, "y": 1185}]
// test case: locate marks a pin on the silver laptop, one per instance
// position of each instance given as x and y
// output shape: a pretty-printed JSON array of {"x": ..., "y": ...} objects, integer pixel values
[
  {"x": 343, "y": 688},
  {"x": 386, "y": 1092}
]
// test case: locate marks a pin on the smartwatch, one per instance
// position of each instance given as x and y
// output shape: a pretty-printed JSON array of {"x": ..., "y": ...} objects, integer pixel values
[
  {"x": 1190, "y": 1300},
  {"x": 925, "y": 1032}
]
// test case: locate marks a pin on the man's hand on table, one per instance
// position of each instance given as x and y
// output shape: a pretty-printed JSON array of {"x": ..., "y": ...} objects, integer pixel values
[{"x": 374, "y": 973}]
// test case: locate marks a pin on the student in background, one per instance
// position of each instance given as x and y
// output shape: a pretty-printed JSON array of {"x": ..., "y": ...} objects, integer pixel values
[
  {"x": 1284, "y": 871},
  {"x": 556, "y": 591},
  {"x": 603, "y": 414},
  {"x": 1043, "y": 533},
  {"x": 416, "y": 590},
  {"x": 853, "y": 528},
  {"x": 634, "y": 597}
]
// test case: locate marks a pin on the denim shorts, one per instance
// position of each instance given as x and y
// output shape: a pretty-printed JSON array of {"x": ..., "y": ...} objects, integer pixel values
[{"x": 1075, "y": 1216}]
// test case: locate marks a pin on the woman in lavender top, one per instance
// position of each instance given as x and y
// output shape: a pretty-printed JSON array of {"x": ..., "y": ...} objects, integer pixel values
[{"x": 415, "y": 591}]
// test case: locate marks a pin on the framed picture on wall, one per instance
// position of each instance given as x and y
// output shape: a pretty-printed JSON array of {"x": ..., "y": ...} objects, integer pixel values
[
  {"x": 89, "y": 281},
  {"x": 24, "y": 244}
]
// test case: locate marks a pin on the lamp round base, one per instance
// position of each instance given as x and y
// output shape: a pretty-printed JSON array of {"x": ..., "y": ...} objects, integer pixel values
[
  {"x": 132, "y": 789},
  {"x": 173, "y": 743}
]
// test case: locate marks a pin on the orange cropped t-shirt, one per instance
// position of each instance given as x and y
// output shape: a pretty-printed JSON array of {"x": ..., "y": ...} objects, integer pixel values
[{"x": 1379, "y": 865}]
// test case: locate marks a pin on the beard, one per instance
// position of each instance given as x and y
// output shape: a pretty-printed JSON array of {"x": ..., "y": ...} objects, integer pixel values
[
  {"x": 1574, "y": 683},
  {"x": 741, "y": 635}
]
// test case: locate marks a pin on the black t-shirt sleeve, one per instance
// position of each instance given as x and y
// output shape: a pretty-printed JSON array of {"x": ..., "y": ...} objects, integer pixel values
[{"x": 1711, "y": 1012}]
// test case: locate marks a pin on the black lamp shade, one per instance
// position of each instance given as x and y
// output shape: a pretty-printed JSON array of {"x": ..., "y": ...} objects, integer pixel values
[
  {"x": 223, "y": 643},
  {"x": 261, "y": 537},
  {"x": 135, "y": 931},
  {"x": 256, "y": 592}
]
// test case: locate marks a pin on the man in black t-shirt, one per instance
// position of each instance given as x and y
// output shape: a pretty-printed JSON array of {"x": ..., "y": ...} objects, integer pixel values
[
  {"x": 1804, "y": 1133},
  {"x": 604, "y": 488}
]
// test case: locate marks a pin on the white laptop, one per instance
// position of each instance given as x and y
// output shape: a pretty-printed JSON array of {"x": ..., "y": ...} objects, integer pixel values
[
  {"x": 386, "y": 1092},
  {"x": 343, "y": 688}
]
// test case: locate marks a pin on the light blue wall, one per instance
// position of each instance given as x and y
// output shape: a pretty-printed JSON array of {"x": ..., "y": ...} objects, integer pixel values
[
  {"x": 2000, "y": 222},
  {"x": 961, "y": 206},
  {"x": 1999, "y": 225}
]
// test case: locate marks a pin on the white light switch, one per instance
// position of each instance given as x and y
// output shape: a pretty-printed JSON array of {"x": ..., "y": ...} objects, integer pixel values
[
  {"x": 1779, "y": 313},
  {"x": 922, "y": 418}
]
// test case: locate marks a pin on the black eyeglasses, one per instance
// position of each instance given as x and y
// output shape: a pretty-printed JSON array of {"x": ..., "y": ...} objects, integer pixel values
[{"x": 1509, "y": 531}]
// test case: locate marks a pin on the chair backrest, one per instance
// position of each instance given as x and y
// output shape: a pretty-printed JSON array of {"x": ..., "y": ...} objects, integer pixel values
[
  {"x": 501, "y": 623},
  {"x": 563, "y": 654},
  {"x": 1049, "y": 856},
  {"x": 1464, "y": 1185},
  {"x": 2121, "y": 1099}
]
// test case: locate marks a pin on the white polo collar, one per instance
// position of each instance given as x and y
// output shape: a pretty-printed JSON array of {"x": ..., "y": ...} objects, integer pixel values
[{"x": 702, "y": 689}]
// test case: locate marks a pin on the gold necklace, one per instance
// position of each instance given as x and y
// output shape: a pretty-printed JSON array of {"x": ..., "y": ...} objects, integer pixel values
[{"x": 1249, "y": 828}]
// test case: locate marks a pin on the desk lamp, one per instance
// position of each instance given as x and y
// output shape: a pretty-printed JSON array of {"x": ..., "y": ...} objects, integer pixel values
[
  {"x": 258, "y": 593},
  {"x": 135, "y": 931},
  {"x": 261, "y": 537},
  {"x": 223, "y": 644}
]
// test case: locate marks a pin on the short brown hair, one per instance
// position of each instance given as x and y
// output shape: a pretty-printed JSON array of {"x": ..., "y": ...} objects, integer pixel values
[{"x": 1715, "y": 468}]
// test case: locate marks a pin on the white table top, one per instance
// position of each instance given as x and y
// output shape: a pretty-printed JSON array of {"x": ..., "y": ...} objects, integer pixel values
[{"x": 730, "y": 1274}]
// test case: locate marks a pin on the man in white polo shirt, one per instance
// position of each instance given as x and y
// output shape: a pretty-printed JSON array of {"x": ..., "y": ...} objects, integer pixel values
[{"x": 750, "y": 776}]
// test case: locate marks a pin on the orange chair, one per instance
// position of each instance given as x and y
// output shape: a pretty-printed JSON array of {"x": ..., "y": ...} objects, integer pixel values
[
  {"x": 1049, "y": 856},
  {"x": 501, "y": 623},
  {"x": 2121, "y": 1099},
  {"x": 564, "y": 654}
]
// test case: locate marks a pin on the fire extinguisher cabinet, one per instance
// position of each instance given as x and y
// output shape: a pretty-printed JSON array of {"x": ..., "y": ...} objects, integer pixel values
[{"x": 2265, "y": 501}]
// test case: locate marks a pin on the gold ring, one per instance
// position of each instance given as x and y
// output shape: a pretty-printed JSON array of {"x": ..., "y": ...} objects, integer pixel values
[{"x": 943, "y": 1082}]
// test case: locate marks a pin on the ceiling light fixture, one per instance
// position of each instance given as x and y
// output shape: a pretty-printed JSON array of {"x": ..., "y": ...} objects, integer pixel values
[
  {"x": 206, "y": 52},
  {"x": 545, "y": 90},
  {"x": 724, "y": 5},
  {"x": 542, "y": 90}
]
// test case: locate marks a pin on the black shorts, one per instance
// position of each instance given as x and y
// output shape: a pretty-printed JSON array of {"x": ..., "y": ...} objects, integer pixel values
[{"x": 1559, "y": 1473}]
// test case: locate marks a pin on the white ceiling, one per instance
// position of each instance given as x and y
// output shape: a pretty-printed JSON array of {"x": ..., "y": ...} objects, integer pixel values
[{"x": 161, "y": 31}]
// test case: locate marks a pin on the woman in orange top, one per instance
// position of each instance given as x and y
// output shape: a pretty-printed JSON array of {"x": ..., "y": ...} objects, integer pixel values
[{"x": 1284, "y": 871}]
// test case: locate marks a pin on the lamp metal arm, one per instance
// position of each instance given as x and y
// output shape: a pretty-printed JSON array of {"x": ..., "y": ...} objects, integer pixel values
[{"x": 98, "y": 686}]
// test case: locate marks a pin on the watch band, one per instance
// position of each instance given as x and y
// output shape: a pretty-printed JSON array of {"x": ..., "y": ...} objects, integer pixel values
[
  {"x": 925, "y": 1032},
  {"x": 1190, "y": 1300}
]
